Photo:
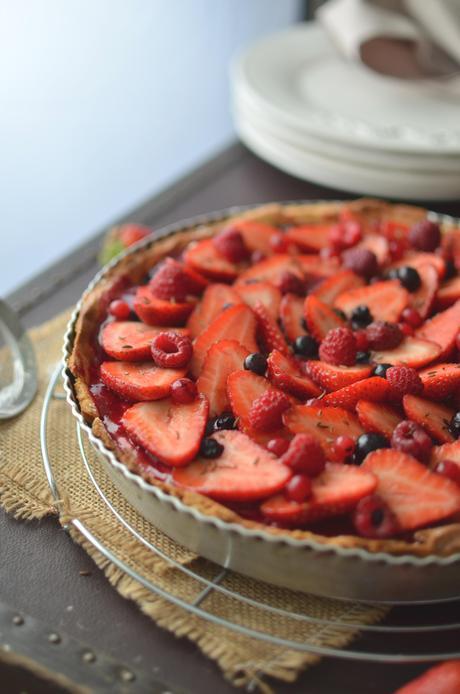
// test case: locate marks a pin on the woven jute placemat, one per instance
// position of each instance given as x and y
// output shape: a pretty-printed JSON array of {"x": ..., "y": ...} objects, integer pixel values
[{"x": 244, "y": 661}]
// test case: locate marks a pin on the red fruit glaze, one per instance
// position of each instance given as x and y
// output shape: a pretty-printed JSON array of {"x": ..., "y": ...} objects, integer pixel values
[
  {"x": 183, "y": 390},
  {"x": 373, "y": 518},
  {"x": 298, "y": 488},
  {"x": 171, "y": 350},
  {"x": 305, "y": 455},
  {"x": 404, "y": 380},
  {"x": 339, "y": 347},
  {"x": 119, "y": 309},
  {"x": 412, "y": 439},
  {"x": 278, "y": 446}
]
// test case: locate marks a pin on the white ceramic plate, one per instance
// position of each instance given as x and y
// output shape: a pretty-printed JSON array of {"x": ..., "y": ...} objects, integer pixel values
[{"x": 298, "y": 76}]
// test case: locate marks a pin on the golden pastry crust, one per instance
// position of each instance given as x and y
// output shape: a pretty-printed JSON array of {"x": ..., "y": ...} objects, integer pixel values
[{"x": 440, "y": 541}]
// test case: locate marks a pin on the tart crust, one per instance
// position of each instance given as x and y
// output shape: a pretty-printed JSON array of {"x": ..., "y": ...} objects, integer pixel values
[{"x": 440, "y": 541}]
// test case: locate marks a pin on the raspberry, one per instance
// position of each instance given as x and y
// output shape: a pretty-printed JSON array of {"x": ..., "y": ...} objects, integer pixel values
[
  {"x": 119, "y": 309},
  {"x": 230, "y": 243},
  {"x": 339, "y": 347},
  {"x": 288, "y": 283},
  {"x": 404, "y": 380},
  {"x": 171, "y": 350},
  {"x": 362, "y": 261},
  {"x": 277, "y": 446},
  {"x": 266, "y": 410},
  {"x": 171, "y": 281},
  {"x": 343, "y": 448},
  {"x": 450, "y": 469},
  {"x": 183, "y": 391},
  {"x": 305, "y": 455},
  {"x": 383, "y": 335},
  {"x": 412, "y": 439},
  {"x": 373, "y": 518},
  {"x": 298, "y": 488},
  {"x": 425, "y": 235},
  {"x": 412, "y": 317}
]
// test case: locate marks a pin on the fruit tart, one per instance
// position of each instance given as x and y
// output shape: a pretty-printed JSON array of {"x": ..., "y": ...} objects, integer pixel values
[{"x": 293, "y": 369}]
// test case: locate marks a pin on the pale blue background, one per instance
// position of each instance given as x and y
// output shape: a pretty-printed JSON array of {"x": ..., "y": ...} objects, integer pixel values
[{"x": 102, "y": 102}]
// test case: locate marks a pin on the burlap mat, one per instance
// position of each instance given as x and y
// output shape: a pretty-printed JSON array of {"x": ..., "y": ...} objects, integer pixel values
[{"x": 244, "y": 661}]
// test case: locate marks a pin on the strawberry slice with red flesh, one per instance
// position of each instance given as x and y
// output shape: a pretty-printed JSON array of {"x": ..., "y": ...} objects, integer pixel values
[
  {"x": 331, "y": 377},
  {"x": 284, "y": 373},
  {"x": 385, "y": 300},
  {"x": 448, "y": 293},
  {"x": 235, "y": 323},
  {"x": 222, "y": 359},
  {"x": 256, "y": 235},
  {"x": 130, "y": 340},
  {"x": 432, "y": 416},
  {"x": 412, "y": 351},
  {"x": 320, "y": 317},
  {"x": 140, "y": 381},
  {"x": 269, "y": 331},
  {"x": 374, "y": 416},
  {"x": 423, "y": 299},
  {"x": 442, "y": 329},
  {"x": 203, "y": 257},
  {"x": 270, "y": 270},
  {"x": 265, "y": 292},
  {"x": 215, "y": 297},
  {"x": 330, "y": 288},
  {"x": 335, "y": 491},
  {"x": 309, "y": 237},
  {"x": 440, "y": 679},
  {"x": 154, "y": 311},
  {"x": 244, "y": 471},
  {"x": 171, "y": 432},
  {"x": 314, "y": 266},
  {"x": 324, "y": 423},
  {"x": 291, "y": 314},
  {"x": 416, "y": 260},
  {"x": 374, "y": 389},
  {"x": 416, "y": 496},
  {"x": 448, "y": 451},
  {"x": 378, "y": 245},
  {"x": 440, "y": 381}
]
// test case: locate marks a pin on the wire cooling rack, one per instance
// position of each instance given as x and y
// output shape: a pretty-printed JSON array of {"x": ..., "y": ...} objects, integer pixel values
[{"x": 409, "y": 634}]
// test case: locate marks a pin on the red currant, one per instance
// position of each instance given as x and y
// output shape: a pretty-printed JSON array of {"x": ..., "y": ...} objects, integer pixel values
[
  {"x": 373, "y": 518},
  {"x": 449, "y": 469},
  {"x": 183, "y": 391},
  {"x": 412, "y": 316},
  {"x": 343, "y": 448},
  {"x": 406, "y": 329},
  {"x": 298, "y": 488},
  {"x": 119, "y": 309},
  {"x": 277, "y": 446},
  {"x": 362, "y": 343}
]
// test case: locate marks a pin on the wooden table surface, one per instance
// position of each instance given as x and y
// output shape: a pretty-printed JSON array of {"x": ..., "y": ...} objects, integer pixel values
[{"x": 40, "y": 565}]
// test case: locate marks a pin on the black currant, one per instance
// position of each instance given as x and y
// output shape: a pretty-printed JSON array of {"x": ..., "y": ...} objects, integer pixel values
[
  {"x": 367, "y": 443},
  {"x": 210, "y": 448},
  {"x": 363, "y": 357},
  {"x": 361, "y": 316},
  {"x": 409, "y": 278},
  {"x": 381, "y": 370},
  {"x": 305, "y": 346},
  {"x": 256, "y": 362},
  {"x": 454, "y": 426},
  {"x": 224, "y": 421}
]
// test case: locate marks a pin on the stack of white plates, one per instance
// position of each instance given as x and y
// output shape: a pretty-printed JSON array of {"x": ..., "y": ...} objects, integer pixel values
[{"x": 306, "y": 110}]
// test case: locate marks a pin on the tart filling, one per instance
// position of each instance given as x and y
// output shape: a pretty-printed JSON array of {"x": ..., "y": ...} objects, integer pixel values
[{"x": 295, "y": 369}]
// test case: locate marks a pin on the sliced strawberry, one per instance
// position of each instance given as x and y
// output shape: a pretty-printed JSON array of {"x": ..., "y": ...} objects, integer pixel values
[
  {"x": 433, "y": 417},
  {"x": 265, "y": 292},
  {"x": 330, "y": 288},
  {"x": 235, "y": 323},
  {"x": 375, "y": 389},
  {"x": 448, "y": 451},
  {"x": 442, "y": 329},
  {"x": 140, "y": 381},
  {"x": 374, "y": 416},
  {"x": 439, "y": 679},
  {"x": 331, "y": 377},
  {"x": 130, "y": 340},
  {"x": 204, "y": 258},
  {"x": 335, "y": 491},
  {"x": 320, "y": 317},
  {"x": 291, "y": 314},
  {"x": 171, "y": 432},
  {"x": 378, "y": 245},
  {"x": 385, "y": 300},
  {"x": 256, "y": 235},
  {"x": 222, "y": 359},
  {"x": 284, "y": 373},
  {"x": 215, "y": 297},
  {"x": 416, "y": 260},
  {"x": 155, "y": 311},
  {"x": 412, "y": 351},
  {"x": 270, "y": 269},
  {"x": 270, "y": 333},
  {"x": 325, "y": 423},
  {"x": 244, "y": 471},
  {"x": 416, "y": 496},
  {"x": 314, "y": 266},
  {"x": 309, "y": 237},
  {"x": 448, "y": 293},
  {"x": 440, "y": 381},
  {"x": 423, "y": 299}
]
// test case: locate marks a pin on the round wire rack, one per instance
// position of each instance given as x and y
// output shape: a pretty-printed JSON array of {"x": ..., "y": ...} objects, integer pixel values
[{"x": 407, "y": 634}]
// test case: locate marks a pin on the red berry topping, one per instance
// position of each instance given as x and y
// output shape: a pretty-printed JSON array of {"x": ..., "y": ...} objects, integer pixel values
[
  {"x": 305, "y": 455},
  {"x": 362, "y": 343},
  {"x": 119, "y": 309},
  {"x": 279, "y": 243},
  {"x": 397, "y": 248},
  {"x": 404, "y": 380},
  {"x": 230, "y": 243},
  {"x": 344, "y": 235},
  {"x": 130, "y": 234},
  {"x": 183, "y": 391},
  {"x": 425, "y": 235},
  {"x": 412, "y": 317},
  {"x": 277, "y": 446},
  {"x": 412, "y": 439},
  {"x": 339, "y": 347},
  {"x": 406, "y": 329},
  {"x": 288, "y": 283},
  {"x": 343, "y": 448},
  {"x": 449, "y": 469},
  {"x": 172, "y": 281},
  {"x": 298, "y": 488},
  {"x": 373, "y": 518},
  {"x": 362, "y": 261},
  {"x": 266, "y": 410},
  {"x": 383, "y": 335},
  {"x": 171, "y": 350},
  {"x": 257, "y": 257}
]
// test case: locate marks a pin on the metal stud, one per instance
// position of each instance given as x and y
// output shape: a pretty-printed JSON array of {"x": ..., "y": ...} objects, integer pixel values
[
  {"x": 88, "y": 657},
  {"x": 127, "y": 675},
  {"x": 54, "y": 638},
  {"x": 18, "y": 620}
]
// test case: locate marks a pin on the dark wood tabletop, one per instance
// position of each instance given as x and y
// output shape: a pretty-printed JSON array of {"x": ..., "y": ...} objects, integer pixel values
[{"x": 40, "y": 570}]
